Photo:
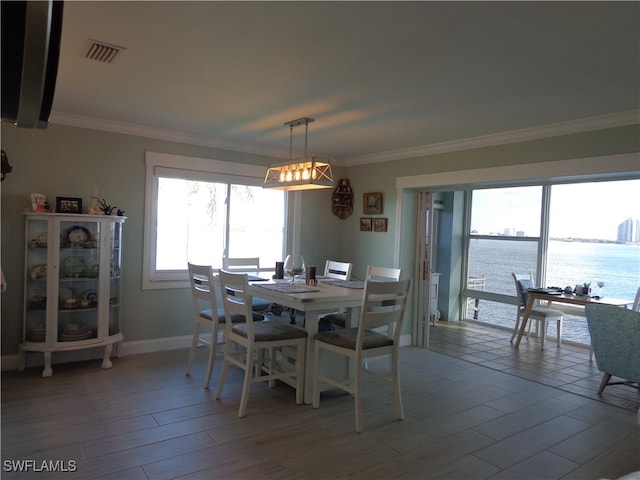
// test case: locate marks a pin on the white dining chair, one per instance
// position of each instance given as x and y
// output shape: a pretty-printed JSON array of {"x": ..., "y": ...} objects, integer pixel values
[
  {"x": 374, "y": 273},
  {"x": 385, "y": 274},
  {"x": 383, "y": 305},
  {"x": 206, "y": 314},
  {"x": 539, "y": 314},
  {"x": 250, "y": 266},
  {"x": 257, "y": 345},
  {"x": 337, "y": 270}
]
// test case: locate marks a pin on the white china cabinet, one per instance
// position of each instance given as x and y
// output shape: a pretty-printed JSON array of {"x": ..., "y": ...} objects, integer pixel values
[{"x": 72, "y": 286}]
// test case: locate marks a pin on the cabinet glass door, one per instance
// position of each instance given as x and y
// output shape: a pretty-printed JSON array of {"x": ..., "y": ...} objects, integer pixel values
[
  {"x": 35, "y": 324},
  {"x": 114, "y": 282},
  {"x": 78, "y": 292}
]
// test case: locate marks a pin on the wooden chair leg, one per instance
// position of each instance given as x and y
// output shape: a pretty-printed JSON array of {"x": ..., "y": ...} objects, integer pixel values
[
  {"x": 246, "y": 384},
  {"x": 358, "y": 396},
  {"x": 396, "y": 386},
  {"x": 194, "y": 346},
  {"x": 605, "y": 379},
  {"x": 515, "y": 329},
  {"x": 212, "y": 360},
  {"x": 225, "y": 368}
]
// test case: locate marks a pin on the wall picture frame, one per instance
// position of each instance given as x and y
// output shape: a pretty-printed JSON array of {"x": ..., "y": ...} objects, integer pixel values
[
  {"x": 379, "y": 224},
  {"x": 68, "y": 205},
  {"x": 372, "y": 203},
  {"x": 365, "y": 224}
]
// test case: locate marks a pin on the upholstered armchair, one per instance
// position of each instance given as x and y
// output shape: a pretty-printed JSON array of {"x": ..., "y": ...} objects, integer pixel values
[{"x": 615, "y": 339}]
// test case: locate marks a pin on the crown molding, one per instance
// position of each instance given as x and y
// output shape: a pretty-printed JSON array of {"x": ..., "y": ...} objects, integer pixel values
[
  {"x": 72, "y": 120},
  {"x": 600, "y": 122}
]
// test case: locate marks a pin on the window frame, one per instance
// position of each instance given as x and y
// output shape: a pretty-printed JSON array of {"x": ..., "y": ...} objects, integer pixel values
[
  {"x": 188, "y": 168},
  {"x": 541, "y": 241}
]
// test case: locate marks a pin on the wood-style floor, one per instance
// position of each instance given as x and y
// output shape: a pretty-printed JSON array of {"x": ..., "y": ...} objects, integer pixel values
[{"x": 144, "y": 419}]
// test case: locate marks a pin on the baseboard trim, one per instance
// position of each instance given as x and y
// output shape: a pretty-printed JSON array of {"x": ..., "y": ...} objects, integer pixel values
[{"x": 34, "y": 359}]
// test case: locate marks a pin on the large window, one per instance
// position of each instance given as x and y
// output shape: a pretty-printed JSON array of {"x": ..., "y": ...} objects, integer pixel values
[
  {"x": 505, "y": 235},
  {"x": 563, "y": 235},
  {"x": 201, "y": 210}
]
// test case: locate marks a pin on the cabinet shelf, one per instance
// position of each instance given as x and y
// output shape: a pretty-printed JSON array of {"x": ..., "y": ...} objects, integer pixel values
[{"x": 63, "y": 312}]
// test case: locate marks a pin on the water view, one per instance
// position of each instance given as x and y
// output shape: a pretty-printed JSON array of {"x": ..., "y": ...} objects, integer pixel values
[{"x": 569, "y": 263}]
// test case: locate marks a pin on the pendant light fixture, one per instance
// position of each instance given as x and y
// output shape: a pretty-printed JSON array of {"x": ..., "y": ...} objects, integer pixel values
[{"x": 303, "y": 174}]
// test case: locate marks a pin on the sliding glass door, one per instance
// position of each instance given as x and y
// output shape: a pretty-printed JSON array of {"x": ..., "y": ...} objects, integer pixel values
[{"x": 563, "y": 235}]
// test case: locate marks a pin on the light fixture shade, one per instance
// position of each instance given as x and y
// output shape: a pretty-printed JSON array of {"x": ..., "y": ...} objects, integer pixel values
[{"x": 305, "y": 174}]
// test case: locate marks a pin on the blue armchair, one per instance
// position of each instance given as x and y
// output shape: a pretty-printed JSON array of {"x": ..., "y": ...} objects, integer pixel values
[{"x": 615, "y": 339}]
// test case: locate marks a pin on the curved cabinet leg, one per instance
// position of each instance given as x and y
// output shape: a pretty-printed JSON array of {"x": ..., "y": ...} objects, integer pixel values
[
  {"x": 106, "y": 360},
  {"x": 48, "y": 371}
]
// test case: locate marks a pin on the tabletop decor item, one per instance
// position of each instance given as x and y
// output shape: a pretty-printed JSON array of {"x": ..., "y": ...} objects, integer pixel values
[
  {"x": 104, "y": 206},
  {"x": 311, "y": 275},
  {"x": 39, "y": 203},
  {"x": 279, "y": 275},
  {"x": 68, "y": 205},
  {"x": 294, "y": 265}
]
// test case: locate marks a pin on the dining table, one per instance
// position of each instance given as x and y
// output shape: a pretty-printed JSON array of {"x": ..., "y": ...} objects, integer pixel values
[
  {"x": 325, "y": 295},
  {"x": 552, "y": 296}
]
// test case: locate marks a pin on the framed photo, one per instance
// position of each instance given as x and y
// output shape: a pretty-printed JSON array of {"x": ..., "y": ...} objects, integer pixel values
[
  {"x": 68, "y": 205},
  {"x": 372, "y": 203},
  {"x": 365, "y": 224},
  {"x": 379, "y": 224}
]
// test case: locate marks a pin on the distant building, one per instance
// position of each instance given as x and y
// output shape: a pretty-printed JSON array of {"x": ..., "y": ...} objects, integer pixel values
[{"x": 628, "y": 231}]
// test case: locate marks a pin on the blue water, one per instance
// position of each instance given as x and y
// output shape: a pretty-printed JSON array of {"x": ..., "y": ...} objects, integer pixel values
[{"x": 569, "y": 264}]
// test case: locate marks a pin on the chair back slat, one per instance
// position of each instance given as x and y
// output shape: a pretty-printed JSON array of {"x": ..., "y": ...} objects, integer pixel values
[
  {"x": 383, "y": 304},
  {"x": 235, "y": 298},
  {"x": 337, "y": 270},
  {"x": 241, "y": 264},
  {"x": 383, "y": 273},
  {"x": 202, "y": 287}
]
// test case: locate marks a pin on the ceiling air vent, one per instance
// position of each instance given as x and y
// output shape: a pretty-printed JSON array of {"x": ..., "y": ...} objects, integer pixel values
[{"x": 103, "y": 52}]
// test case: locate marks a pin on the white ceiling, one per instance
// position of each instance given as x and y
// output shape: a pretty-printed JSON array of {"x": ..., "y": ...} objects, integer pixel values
[{"x": 377, "y": 77}]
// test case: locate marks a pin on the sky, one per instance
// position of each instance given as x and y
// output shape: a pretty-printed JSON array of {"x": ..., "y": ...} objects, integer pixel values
[{"x": 586, "y": 210}]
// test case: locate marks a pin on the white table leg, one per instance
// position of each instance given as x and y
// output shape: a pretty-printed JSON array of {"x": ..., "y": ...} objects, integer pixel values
[{"x": 311, "y": 326}]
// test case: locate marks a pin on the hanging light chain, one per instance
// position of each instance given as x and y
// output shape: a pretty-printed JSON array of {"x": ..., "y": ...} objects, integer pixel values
[
  {"x": 294, "y": 123},
  {"x": 306, "y": 131},
  {"x": 290, "y": 141}
]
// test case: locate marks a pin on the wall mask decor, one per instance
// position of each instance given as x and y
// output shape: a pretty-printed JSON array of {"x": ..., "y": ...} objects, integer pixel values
[
  {"x": 342, "y": 199},
  {"x": 6, "y": 167}
]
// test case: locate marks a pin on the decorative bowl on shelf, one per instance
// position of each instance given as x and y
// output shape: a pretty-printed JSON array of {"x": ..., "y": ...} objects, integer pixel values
[
  {"x": 37, "y": 333},
  {"x": 75, "y": 267},
  {"x": 73, "y": 332},
  {"x": 38, "y": 272}
]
